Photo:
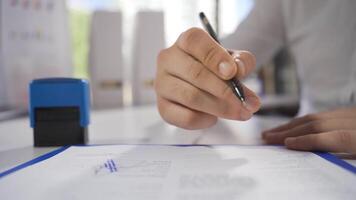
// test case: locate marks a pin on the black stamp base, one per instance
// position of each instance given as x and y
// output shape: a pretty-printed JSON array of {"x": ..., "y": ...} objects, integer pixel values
[{"x": 58, "y": 126}]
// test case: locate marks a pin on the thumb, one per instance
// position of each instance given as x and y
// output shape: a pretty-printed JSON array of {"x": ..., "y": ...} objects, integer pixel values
[{"x": 245, "y": 62}]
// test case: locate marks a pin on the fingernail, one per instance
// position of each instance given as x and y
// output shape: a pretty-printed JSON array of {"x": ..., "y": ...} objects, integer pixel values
[
  {"x": 240, "y": 66},
  {"x": 252, "y": 103},
  {"x": 226, "y": 69}
]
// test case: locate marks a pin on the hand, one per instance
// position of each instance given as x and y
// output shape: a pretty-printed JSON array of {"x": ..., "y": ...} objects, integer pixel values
[
  {"x": 332, "y": 131},
  {"x": 190, "y": 82}
]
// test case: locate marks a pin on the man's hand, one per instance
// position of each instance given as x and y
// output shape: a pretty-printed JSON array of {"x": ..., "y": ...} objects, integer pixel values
[
  {"x": 333, "y": 131},
  {"x": 191, "y": 82}
]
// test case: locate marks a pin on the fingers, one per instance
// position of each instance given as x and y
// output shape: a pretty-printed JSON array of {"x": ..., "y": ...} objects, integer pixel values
[
  {"x": 203, "y": 48},
  {"x": 313, "y": 127},
  {"x": 333, "y": 114},
  {"x": 333, "y": 141},
  {"x": 326, "y": 131},
  {"x": 192, "y": 79},
  {"x": 190, "y": 70},
  {"x": 245, "y": 62},
  {"x": 293, "y": 123},
  {"x": 178, "y": 91},
  {"x": 341, "y": 112},
  {"x": 183, "y": 117},
  {"x": 253, "y": 102}
]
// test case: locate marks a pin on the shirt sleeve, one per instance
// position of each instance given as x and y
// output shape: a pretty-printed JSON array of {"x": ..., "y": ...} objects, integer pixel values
[{"x": 262, "y": 32}]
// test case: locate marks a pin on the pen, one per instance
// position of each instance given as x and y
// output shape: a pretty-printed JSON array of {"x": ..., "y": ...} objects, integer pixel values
[{"x": 234, "y": 82}]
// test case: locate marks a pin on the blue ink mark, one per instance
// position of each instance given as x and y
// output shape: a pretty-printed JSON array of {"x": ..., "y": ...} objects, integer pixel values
[
  {"x": 113, "y": 165},
  {"x": 110, "y": 166}
]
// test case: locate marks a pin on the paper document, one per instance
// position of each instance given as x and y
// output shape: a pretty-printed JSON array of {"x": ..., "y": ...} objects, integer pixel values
[{"x": 155, "y": 172}]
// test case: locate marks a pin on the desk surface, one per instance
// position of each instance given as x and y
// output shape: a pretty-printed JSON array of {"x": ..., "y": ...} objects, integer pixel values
[{"x": 134, "y": 125}]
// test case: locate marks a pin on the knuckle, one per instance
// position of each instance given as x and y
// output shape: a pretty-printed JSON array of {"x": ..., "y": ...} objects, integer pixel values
[
  {"x": 190, "y": 37},
  {"x": 316, "y": 126},
  {"x": 190, "y": 97},
  {"x": 184, "y": 122},
  {"x": 161, "y": 55},
  {"x": 196, "y": 71},
  {"x": 225, "y": 109},
  {"x": 189, "y": 120},
  {"x": 212, "y": 56},
  {"x": 159, "y": 83},
  {"x": 226, "y": 92},
  {"x": 251, "y": 58}
]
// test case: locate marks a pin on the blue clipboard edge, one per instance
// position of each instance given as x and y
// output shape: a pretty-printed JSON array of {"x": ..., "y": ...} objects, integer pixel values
[
  {"x": 337, "y": 161},
  {"x": 327, "y": 156},
  {"x": 33, "y": 161}
]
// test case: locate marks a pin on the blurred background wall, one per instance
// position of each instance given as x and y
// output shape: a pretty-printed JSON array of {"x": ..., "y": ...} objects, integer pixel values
[{"x": 122, "y": 70}]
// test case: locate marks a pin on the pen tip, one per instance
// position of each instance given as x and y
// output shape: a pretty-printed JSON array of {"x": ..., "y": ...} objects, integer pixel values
[{"x": 201, "y": 15}]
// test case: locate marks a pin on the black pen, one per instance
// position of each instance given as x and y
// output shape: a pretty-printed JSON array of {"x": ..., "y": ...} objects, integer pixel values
[{"x": 234, "y": 82}]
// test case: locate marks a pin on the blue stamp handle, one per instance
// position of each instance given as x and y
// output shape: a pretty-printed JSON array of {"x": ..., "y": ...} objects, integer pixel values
[{"x": 60, "y": 92}]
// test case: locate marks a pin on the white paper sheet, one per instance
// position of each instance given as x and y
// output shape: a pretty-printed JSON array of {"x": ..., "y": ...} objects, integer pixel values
[{"x": 171, "y": 172}]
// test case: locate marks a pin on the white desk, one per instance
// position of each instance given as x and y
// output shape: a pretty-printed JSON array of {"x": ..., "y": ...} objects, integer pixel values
[{"x": 132, "y": 126}]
